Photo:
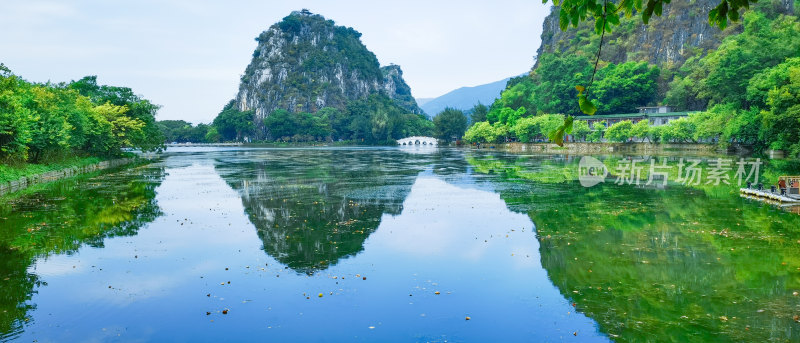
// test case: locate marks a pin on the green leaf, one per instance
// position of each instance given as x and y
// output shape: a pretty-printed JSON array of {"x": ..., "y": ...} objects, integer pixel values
[
  {"x": 557, "y": 136},
  {"x": 712, "y": 16},
  {"x": 568, "y": 124},
  {"x": 613, "y": 19},
  {"x": 563, "y": 20},
  {"x": 611, "y": 8},
  {"x": 598, "y": 25},
  {"x": 587, "y": 107},
  {"x": 658, "y": 8},
  {"x": 733, "y": 15},
  {"x": 647, "y": 13}
]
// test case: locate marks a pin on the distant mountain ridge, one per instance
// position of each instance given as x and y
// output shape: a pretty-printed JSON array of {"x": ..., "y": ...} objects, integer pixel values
[{"x": 463, "y": 98}]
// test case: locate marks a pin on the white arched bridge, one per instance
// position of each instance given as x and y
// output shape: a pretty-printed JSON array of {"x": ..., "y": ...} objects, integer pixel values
[{"x": 417, "y": 140}]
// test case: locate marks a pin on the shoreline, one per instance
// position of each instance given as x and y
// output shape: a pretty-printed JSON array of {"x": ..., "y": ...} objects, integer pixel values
[
  {"x": 22, "y": 183},
  {"x": 580, "y": 148}
]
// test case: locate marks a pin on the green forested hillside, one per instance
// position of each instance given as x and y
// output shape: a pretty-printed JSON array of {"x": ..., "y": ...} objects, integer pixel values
[
  {"x": 376, "y": 119},
  {"x": 747, "y": 89}
]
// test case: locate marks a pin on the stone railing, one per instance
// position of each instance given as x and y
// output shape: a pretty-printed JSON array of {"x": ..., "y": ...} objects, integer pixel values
[{"x": 25, "y": 182}]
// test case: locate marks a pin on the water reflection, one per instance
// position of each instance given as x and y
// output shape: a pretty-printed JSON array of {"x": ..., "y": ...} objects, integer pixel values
[
  {"x": 680, "y": 264},
  {"x": 59, "y": 219},
  {"x": 312, "y": 211},
  {"x": 511, "y": 241}
]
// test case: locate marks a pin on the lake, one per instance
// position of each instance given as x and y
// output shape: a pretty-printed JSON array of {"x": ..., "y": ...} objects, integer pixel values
[{"x": 396, "y": 245}]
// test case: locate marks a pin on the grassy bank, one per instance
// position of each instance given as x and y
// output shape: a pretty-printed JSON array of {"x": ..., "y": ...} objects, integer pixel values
[{"x": 12, "y": 172}]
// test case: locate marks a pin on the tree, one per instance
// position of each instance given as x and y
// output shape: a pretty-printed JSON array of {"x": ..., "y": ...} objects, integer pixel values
[
  {"x": 641, "y": 130},
  {"x": 725, "y": 74},
  {"x": 554, "y": 83},
  {"x": 280, "y": 123},
  {"x": 50, "y": 132},
  {"x": 149, "y": 137},
  {"x": 45, "y": 122},
  {"x": 580, "y": 130},
  {"x": 679, "y": 130},
  {"x": 484, "y": 132},
  {"x": 623, "y": 87},
  {"x": 213, "y": 136},
  {"x": 414, "y": 125},
  {"x": 597, "y": 132},
  {"x": 526, "y": 129},
  {"x": 181, "y": 131},
  {"x": 620, "y": 132},
  {"x": 478, "y": 113},
  {"x": 450, "y": 124},
  {"x": 234, "y": 125},
  {"x": 124, "y": 129},
  {"x": 15, "y": 120},
  {"x": 781, "y": 118},
  {"x": 711, "y": 124}
]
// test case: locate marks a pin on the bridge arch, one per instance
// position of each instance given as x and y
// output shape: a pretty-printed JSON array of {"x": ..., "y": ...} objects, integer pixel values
[{"x": 417, "y": 140}]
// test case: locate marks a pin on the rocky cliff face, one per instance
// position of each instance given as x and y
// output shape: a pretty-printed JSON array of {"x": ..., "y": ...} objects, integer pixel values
[
  {"x": 397, "y": 89},
  {"x": 306, "y": 62},
  {"x": 679, "y": 33}
]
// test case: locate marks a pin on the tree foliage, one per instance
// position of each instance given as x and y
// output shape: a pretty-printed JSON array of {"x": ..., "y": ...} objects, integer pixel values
[
  {"x": 376, "y": 119},
  {"x": 724, "y": 75},
  {"x": 621, "y": 88},
  {"x": 180, "y": 131},
  {"x": 39, "y": 122},
  {"x": 620, "y": 131},
  {"x": 483, "y": 132},
  {"x": 234, "y": 125},
  {"x": 478, "y": 113},
  {"x": 450, "y": 124}
]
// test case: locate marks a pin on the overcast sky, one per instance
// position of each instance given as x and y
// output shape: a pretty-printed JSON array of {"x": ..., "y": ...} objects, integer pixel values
[{"x": 188, "y": 55}]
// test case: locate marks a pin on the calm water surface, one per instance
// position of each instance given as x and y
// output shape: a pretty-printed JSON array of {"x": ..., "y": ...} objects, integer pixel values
[{"x": 391, "y": 245}]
